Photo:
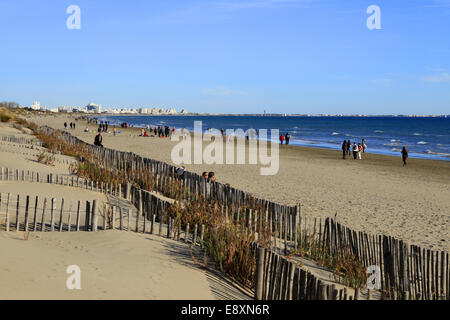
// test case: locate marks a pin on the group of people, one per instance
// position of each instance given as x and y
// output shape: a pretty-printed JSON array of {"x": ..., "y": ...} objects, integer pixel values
[
  {"x": 103, "y": 126},
  {"x": 159, "y": 131},
  {"x": 72, "y": 125},
  {"x": 356, "y": 149},
  {"x": 285, "y": 138},
  {"x": 209, "y": 176}
]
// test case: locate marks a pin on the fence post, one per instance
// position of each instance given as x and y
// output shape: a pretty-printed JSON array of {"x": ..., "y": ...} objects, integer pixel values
[
  {"x": 259, "y": 273},
  {"x": 7, "y": 213},
  {"x": 94, "y": 216}
]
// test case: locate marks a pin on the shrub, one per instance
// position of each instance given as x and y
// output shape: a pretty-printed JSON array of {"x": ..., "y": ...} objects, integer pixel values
[
  {"x": 45, "y": 158},
  {"x": 5, "y": 117}
]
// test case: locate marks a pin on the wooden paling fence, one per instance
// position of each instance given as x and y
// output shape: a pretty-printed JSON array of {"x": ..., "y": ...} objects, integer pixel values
[
  {"x": 407, "y": 271},
  {"x": 277, "y": 278},
  {"x": 32, "y": 214},
  {"x": 22, "y": 140}
]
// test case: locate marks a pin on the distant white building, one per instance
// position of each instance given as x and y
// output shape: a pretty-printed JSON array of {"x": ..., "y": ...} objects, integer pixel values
[
  {"x": 184, "y": 111},
  {"x": 94, "y": 108},
  {"x": 36, "y": 105},
  {"x": 144, "y": 111}
]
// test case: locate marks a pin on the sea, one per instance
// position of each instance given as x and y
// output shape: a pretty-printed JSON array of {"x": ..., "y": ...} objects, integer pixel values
[{"x": 424, "y": 137}]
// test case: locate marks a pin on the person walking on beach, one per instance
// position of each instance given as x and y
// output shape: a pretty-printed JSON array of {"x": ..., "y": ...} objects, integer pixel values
[
  {"x": 114, "y": 131},
  {"x": 65, "y": 125},
  {"x": 349, "y": 145},
  {"x": 355, "y": 151},
  {"x": 288, "y": 137},
  {"x": 360, "y": 150},
  {"x": 98, "y": 140},
  {"x": 404, "y": 155},
  {"x": 344, "y": 149},
  {"x": 364, "y": 145},
  {"x": 281, "y": 138}
]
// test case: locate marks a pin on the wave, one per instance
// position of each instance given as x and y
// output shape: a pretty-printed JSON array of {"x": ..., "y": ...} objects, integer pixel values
[
  {"x": 438, "y": 153},
  {"x": 395, "y": 140},
  {"x": 417, "y": 134},
  {"x": 422, "y": 142},
  {"x": 378, "y": 131},
  {"x": 396, "y": 149},
  {"x": 335, "y": 134}
]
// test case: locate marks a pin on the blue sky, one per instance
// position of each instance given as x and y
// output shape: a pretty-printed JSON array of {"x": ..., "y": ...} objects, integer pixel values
[{"x": 228, "y": 56}]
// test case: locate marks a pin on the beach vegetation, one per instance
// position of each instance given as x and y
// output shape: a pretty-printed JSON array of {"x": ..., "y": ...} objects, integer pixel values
[{"x": 46, "y": 158}]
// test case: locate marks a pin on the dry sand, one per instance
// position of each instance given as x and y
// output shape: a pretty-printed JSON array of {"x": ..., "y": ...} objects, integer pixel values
[
  {"x": 114, "y": 264},
  {"x": 376, "y": 195}
]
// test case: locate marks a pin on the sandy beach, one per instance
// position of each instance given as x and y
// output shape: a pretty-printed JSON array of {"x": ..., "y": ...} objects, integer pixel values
[
  {"x": 376, "y": 194},
  {"x": 114, "y": 264}
]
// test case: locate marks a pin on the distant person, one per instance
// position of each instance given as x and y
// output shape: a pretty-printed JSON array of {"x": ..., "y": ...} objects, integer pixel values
[
  {"x": 98, "y": 140},
  {"x": 74, "y": 126},
  {"x": 205, "y": 175},
  {"x": 404, "y": 155},
  {"x": 364, "y": 145},
  {"x": 114, "y": 131},
  {"x": 181, "y": 172},
  {"x": 360, "y": 149},
  {"x": 288, "y": 137},
  {"x": 349, "y": 146},
  {"x": 65, "y": 125},
  {"x": 355, "y": 151},
  {"x": 211, "y": 176},
  {"x": 281, "y": 138},
  {"x": 344, "y": 149},
  {"x": 70, "y": 125}
]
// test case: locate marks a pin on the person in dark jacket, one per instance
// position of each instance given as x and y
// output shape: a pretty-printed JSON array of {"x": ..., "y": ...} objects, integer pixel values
[
  {"x": 98, "y": 140},
  {"x": 344, "y": 149},
  {"x": 288, "y": 137},
  {"x": 404, "y": 155}
]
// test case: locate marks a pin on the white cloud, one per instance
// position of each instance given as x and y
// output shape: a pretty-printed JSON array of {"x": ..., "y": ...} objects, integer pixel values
[
  {"x": 442, "y": 76},
  {"x": 222, "y": 91}
]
